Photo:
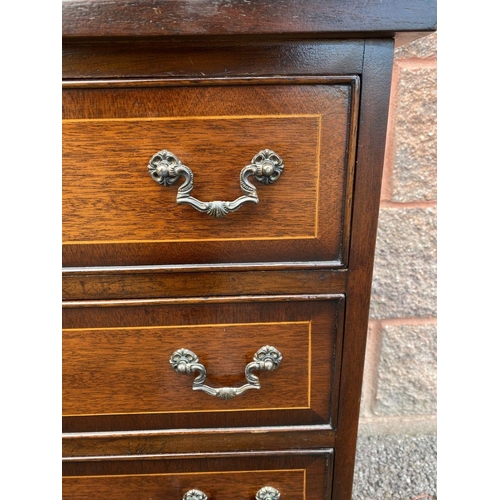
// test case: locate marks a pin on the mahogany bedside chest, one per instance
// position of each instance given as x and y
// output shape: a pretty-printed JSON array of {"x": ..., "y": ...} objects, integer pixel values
[{"x": 222, "y": 163}]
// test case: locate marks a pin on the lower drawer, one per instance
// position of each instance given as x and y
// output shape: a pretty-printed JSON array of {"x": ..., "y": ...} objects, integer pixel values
[
  {"x": 304, "y": 475},
  {"x": 132, "y": 366}
]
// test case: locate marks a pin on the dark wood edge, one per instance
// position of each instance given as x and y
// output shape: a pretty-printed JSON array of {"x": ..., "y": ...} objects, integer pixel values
[
  {"x": 339, "y": 345},
  {"x": 193, "y": 268},
  {"x": 351, "y": 161},
  {"x": 157, "y": 58},
  {"x": 208, "y": 82},
  {"x": 377, "y": 72},
  {"x": 133, "y": 18},
  {"x": 192, "y": 443},
  {"x": 162, "y": 456},
  {"x": 202, "y": 431},
  {"x": 116, "y": 285},
  {"x": 200, "y": 300},
  {"x": 232, "y": 40},
  {"x": 399, "y": 37}
]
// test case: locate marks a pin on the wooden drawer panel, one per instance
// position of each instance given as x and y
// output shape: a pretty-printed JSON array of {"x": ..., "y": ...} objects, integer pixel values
[
  {"x": 160, "y": 283},
  {"x": 303, "y": 476},
  {"x": 117, "y": 374},
  {"x": 114, "y": 213}
]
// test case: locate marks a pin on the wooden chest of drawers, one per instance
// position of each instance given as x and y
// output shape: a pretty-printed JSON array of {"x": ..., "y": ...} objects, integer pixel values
[{"x": 221, "y": 183}]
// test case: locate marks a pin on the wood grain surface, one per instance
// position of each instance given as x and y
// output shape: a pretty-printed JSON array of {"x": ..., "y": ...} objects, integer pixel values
[
  {"x": 108, "y": 198},
  {"x": 370, "y": 161},
  {"x": 228, "y": 485},
  {"x": 329, "y": 18},
  {"x": 126, "y": 370},
  {"x": 305, "y": 474},
  {"x": 117, "y": 376},
  {"x": 115, "y": 214},
  {"x": 111, "y": 283},
  {"x": 157, "y": 58},
  {"x": 143, "y": 444},
  {"x": 215, "y": 82}
]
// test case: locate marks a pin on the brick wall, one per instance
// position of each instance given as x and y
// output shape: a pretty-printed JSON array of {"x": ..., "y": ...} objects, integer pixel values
[{"x": 399, "y": 391}]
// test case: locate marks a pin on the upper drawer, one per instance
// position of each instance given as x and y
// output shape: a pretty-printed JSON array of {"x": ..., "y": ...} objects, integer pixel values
[{"x": 115, "y": 213}]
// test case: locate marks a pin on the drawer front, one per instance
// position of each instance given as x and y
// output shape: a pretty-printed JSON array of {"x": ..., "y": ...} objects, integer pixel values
[
  {"x": 302, "y": 476},
  {"x": 115, "y": 213},
  {"x": 132, "y": 367}
]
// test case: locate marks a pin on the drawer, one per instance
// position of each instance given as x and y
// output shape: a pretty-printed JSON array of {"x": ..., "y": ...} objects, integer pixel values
[
  {"x": 131, "y": 365},
  {"x": 302, "y": 476},
  {"x": 120, "y": 187}
]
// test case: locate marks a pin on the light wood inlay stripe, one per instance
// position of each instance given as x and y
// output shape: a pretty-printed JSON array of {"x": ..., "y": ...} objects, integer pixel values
[
  {"x": 208, "y": 325},
  {"x": 79, "y": 132},
  {"x": 274, "y": 408},
  {"x": 318, "y": 174},
  {"x": 192, "y": 473},
  {"x": 184, "y": 118},
  {"x": 191, "y": 240},
  {"x": 217, "y": 325}
]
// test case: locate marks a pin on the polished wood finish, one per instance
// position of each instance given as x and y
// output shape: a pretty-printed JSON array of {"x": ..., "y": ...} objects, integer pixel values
[
  {"x": 162, "y": 283},
  {"x": 372, "y": 130},
  {"x": 115, "y": 214},
  {"x": 103, "y": 445},
  {"x": 105, "y": 374},
  {"x": 111, "y": 384},
  {"x": 103, "y": 60},
  {"x": 143, "y": 276},
  {"x": 304, "y": 474},
  {"x": 328, "y": 18}
]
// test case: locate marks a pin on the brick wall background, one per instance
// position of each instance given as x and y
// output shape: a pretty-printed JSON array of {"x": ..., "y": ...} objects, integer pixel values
[{"x": 399, "y": 391}]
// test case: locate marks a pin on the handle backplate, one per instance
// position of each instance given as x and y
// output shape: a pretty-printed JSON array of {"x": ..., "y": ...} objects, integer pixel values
[
  {"x": 185, "y": 361},
  {"x": 165, "y": 168},
  {"x": 265, "y": 493}
]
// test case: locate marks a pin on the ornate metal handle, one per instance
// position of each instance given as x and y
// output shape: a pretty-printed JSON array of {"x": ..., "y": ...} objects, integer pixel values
[
  {"x": 266, "y": 167},
  {"x": 266, "y": 493},
  {"x": 186, "y": 361}
]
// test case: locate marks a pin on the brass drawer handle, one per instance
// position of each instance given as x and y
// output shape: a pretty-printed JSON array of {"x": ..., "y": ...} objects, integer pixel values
[
  {"x": 266, "y": 493},
  {"x": 165, "y": 168},
  {"x": 186, "y": 361}
]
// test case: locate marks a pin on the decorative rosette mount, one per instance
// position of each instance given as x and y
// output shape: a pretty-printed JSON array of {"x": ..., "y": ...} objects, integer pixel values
[
  {"x": 165, "y": 168},
  {"x": 184, "y": 361}
]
